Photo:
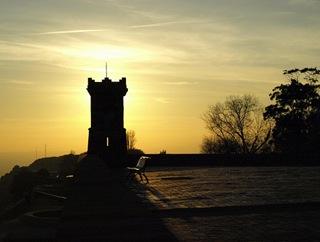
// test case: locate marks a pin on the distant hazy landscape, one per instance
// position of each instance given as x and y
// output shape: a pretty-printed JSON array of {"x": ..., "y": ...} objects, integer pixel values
[{"x": 10, "y": 159}]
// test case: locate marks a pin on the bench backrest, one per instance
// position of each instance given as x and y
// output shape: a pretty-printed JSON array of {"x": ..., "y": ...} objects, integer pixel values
[{"x": 142, "y": 162}]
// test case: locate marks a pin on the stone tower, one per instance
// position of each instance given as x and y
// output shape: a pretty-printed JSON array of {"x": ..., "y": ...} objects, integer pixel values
[{"x": 107, "y": 135}]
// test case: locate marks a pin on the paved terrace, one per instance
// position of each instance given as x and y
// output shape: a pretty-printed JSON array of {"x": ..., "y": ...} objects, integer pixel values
[
  {"x": 236, "y": 203},
  {"x": 187, "y": 204}
]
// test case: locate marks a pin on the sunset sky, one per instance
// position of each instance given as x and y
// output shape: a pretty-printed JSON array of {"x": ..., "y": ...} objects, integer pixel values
[{"x": 179, "y": 56}]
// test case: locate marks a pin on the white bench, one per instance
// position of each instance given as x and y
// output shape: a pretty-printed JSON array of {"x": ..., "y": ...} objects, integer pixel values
[{"x": 139, "y": 169}]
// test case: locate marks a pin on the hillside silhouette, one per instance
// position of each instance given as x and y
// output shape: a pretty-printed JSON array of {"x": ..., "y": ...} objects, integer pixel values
[{"x": 55, "y": 164}]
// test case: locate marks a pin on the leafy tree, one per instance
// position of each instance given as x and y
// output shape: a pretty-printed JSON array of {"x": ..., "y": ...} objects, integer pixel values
[
  {"x": 238, "y": 122},
  {"x": 296, "y": 112}
]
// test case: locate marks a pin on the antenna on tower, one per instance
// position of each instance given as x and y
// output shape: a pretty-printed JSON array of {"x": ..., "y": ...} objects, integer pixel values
[{"x": 106, "y": 69}]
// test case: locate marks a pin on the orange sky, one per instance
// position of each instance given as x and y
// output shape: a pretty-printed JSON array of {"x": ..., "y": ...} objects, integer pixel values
[{"x": 178, "y": 57}]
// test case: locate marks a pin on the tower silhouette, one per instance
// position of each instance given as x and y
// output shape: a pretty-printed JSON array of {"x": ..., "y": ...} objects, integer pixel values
[{"x": 107, "y": 135}]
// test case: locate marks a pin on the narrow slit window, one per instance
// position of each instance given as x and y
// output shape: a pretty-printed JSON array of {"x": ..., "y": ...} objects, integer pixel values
[{"x": 107, "y": 142}]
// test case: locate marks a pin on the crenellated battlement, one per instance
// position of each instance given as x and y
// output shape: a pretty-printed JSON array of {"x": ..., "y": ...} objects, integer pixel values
[
  {"x": 123, "y": 80},
  {"x": 108, "y": 86}
]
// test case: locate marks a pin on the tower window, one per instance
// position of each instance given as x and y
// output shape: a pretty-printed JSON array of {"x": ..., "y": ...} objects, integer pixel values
[{"x": 107, "y": 142}]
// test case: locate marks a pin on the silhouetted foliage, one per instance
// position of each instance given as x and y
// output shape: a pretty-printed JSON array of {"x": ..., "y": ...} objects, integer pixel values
[
  {"x": 51, "y": 164},
  {"x": 68, "y": 164},
  {"x": 23, "y": 182},
  {"x": 135, "y": 152},
  {"x": 213, "y": 145},
  {"x": 7, "y": 178},
  {"x": 163, "y": 152},
  {"x": 42, "y": 175},
  {"x": 238, "y": 122},
  {"x": 296, "y": 112},
  {"x": 15, "y": 169}
]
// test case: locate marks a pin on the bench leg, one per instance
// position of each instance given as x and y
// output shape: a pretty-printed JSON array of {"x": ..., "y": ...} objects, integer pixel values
[
  {"x": 131, "y": 175},
  {"x": 145, "y": 177},
  {"x": 141, "y": 178}
]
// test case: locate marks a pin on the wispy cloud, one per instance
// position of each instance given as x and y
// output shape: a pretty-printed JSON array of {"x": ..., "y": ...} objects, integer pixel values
[
  {"x": 304, "y": 2},
  {"x": 18, "y": 82},
  {"x": 160, "y": 24},
  {"x": 75, "y": 31},
  {"x": 162, "y": 100},
  {"x": 181, "y": 83}
]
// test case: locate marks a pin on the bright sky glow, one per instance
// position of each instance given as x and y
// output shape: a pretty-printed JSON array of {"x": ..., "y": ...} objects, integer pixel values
[{"x": 179, "y": 56}]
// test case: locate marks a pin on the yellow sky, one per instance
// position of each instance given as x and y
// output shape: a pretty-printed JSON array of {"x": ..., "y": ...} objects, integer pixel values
[{"x": 178, "y": 56}]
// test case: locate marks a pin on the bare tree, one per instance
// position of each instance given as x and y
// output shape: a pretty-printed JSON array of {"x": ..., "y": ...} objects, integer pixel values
[
  {"x": 239, "y": 120},
  {"x": 131, "y": 143},
  {"x": 131, "y": 139}
]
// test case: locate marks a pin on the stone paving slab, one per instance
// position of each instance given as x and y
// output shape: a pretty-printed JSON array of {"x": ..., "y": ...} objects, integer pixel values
[
  {"x": 183, "y": 187},
  {"x": 188, "y": 204},
  {"x": 298, "y": 226},
  {"x": 236, "y": 203}
]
